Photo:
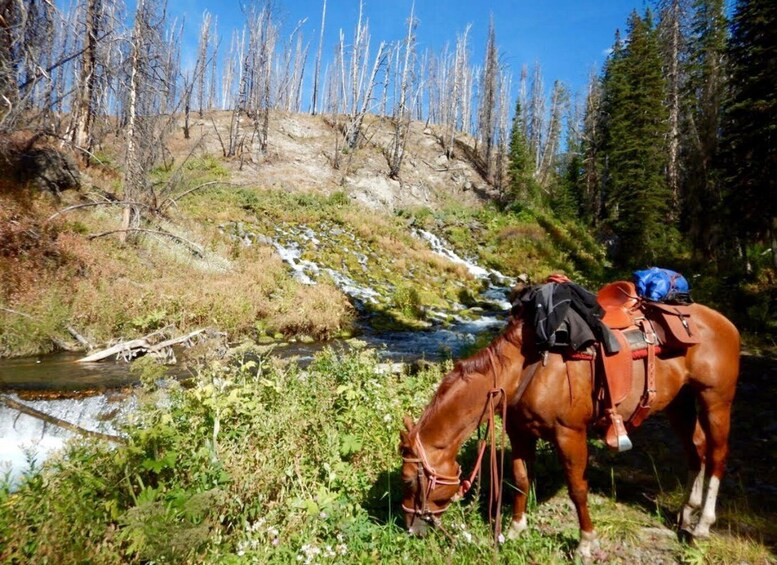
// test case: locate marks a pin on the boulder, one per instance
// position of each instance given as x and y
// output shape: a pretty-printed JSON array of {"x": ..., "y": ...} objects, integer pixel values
[{"x": 48, "y": 169}]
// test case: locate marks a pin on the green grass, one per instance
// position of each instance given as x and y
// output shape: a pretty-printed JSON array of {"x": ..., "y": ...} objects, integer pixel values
[{"x": 257, "y": 460}]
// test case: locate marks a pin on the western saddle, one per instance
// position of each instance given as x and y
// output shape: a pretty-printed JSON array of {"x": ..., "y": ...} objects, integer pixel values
[{"x": 643, "y": 329}]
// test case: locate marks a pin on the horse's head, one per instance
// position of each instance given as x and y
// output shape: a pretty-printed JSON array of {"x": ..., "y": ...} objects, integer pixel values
[{"x": 427, "y": 491}]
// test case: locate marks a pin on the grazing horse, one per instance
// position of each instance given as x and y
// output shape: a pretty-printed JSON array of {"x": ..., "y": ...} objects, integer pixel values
[{"x": 695, "y": 388}]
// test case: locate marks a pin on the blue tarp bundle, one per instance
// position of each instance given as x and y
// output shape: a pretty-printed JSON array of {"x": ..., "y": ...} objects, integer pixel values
[{"x": 661, "y": 285}]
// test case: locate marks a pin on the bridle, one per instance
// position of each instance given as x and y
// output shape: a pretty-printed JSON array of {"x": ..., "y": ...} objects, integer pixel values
[{"x": 434, "y": 479}]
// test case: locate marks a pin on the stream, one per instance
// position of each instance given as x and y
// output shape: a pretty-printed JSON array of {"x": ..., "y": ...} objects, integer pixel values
[{"x": 93, "y": 395}]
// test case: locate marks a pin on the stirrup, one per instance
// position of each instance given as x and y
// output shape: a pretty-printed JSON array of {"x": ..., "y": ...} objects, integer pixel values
[{"x": 616, "y": 437}]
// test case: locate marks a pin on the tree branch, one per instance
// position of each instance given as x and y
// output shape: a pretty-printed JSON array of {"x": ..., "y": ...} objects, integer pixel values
[{"x": 24, "y": 409}]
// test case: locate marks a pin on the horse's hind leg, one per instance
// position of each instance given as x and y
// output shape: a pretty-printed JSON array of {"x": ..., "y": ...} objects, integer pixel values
[
  {"x": 523, "y": 449},
  {"x": 682, "y": 416},
  {"x": 715, "y": 419}
]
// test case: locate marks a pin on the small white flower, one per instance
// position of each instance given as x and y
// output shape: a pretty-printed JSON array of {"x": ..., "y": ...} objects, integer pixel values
[
  {"x": 501, "y": 538},
  {"x": 323, "y": 515},
  {"x": 342, "y": 549},
  {"x": 276, "y": 541},
  {"x": 468, "y": 537},
  {"x": 387, "y": 418}
]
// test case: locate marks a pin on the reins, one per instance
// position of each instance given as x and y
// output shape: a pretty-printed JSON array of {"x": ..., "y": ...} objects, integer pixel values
[{"x": 435, "y": 479}]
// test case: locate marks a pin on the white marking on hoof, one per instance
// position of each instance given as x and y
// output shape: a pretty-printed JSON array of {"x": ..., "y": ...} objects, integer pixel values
[
  {"x": 689, "y": 514},
  {"x": 702, "y": 530},
  {"x": 588, "y": 546},
  {"x": 517, "y": 528}
]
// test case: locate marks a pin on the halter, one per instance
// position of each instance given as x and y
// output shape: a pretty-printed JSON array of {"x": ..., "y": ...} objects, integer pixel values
[{"x": 435, "y": 479}]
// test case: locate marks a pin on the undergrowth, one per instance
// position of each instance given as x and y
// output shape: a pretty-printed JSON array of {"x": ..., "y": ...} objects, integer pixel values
[{"x": 257, "y": 460}]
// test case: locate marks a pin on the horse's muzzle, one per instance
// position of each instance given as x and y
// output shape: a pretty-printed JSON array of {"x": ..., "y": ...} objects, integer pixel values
[{"x": 418, "y": 527}]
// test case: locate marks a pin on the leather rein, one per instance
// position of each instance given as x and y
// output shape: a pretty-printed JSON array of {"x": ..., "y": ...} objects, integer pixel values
[{"x": 434, "y": 479}]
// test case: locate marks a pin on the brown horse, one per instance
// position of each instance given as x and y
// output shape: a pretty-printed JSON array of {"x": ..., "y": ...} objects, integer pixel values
[{"x": 558, "y": 406}]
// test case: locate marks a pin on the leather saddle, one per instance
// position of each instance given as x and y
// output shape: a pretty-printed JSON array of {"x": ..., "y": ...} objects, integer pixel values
[{"x": 642, "y": 329}]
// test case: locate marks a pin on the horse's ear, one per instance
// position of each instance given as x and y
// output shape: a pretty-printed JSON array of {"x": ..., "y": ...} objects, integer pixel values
[{"x": 408, "y": 421}]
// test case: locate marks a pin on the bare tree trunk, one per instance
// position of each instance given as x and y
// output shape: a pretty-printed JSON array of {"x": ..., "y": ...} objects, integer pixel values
[
  {"x": 553, "y": 135},
  {"x": 402, "y": 113},
  {"x": 84, "y": 106},
  {"x": 131, "y": 215},
  {"x": 214, "y": 40},
  {"x": 488, "y": 102},
  {"x": 536, "y": 118},
  {"x": 317, "y": 72},
  {"x": 673, "y": 165},
  {"x": 201, "y": 68}
]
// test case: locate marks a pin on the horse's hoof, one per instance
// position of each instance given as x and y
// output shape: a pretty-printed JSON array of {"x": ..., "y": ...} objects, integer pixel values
[
  {"x": 588, "y": 548},
  {"x": 685, "y": 536},
  {"x": 517, "y": 528}
]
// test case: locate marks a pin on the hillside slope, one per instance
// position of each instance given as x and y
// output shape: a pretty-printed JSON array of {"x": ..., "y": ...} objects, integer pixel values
[{"x": 229, "y": 225}]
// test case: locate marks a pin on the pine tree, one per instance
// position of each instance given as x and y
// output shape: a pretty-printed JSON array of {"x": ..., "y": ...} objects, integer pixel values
[
  {"x": 588, "y": 185},
  {"x": 519, "y": 169},
  {"x": 703, "y": 96},
  {"x": 750, "y": 123},
  {"x": 636, "y": 193}
]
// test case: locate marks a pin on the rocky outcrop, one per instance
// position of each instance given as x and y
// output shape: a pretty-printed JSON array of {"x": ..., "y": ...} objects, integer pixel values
[{"x": 30, "y": 164}]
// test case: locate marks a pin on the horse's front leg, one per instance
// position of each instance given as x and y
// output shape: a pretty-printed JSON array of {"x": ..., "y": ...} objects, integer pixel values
[
  {"x": 523, "y": 449},
  {"x": 572, "y": 448}
]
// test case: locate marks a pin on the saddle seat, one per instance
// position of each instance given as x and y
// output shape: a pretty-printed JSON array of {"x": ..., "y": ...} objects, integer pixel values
[{"x": 619, "y": 301}]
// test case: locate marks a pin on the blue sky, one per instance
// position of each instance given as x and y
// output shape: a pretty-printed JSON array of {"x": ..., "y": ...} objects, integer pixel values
[{"x": 567, "y": 37}]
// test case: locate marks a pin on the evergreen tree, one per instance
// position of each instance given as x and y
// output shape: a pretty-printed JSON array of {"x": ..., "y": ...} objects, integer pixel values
[
  {"x": 588, "y": 186},
  {"x": 635, "y": 132},
  {"x": 520, "y": 171},
  {"x": 750, "y": 123},
  {"x": 704, "y": 89}
]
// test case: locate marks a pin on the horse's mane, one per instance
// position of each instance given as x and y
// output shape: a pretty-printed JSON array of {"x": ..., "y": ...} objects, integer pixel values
[{"x": 479, "y": 363}]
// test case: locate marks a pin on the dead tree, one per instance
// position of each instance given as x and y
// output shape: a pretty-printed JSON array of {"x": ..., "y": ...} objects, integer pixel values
[
  {"x": 201, "y": 67},
  {"x": 401, "y": 117},
  {"x": 546, "y": 166},
  {"x": 143, "y": 89},
  {"x": 84, "y": 106},
  {"x": 215, "y": 41},
  {"x": 292, "y": 70},
  {"x": 536, "y": 118},
  {"x": 503, "y": 133},
  {"x": 26, "y": 45},
  {"x": 317, "y": 72},
  {"x": 487, "y": 112}
]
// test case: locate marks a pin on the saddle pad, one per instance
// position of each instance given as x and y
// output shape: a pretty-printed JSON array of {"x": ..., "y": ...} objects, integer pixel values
[{"x": 673, "y": 324}]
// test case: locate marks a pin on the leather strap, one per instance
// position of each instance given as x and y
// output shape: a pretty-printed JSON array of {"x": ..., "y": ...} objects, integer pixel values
[{"x": 643, "y": 410}]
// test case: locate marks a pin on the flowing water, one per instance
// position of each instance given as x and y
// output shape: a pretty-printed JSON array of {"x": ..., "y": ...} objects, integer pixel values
[{"x": 95, "y": 396}]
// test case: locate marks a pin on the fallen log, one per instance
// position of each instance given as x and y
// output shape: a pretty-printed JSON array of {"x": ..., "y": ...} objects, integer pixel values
[
  {"x": 142, "y": 346},
  {"x": 135, "y": 345},
  {"x": 48, "y": 418}
]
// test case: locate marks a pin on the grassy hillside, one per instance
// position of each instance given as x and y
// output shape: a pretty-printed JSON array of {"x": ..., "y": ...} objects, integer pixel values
[{"x": 62, "y": 268}]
